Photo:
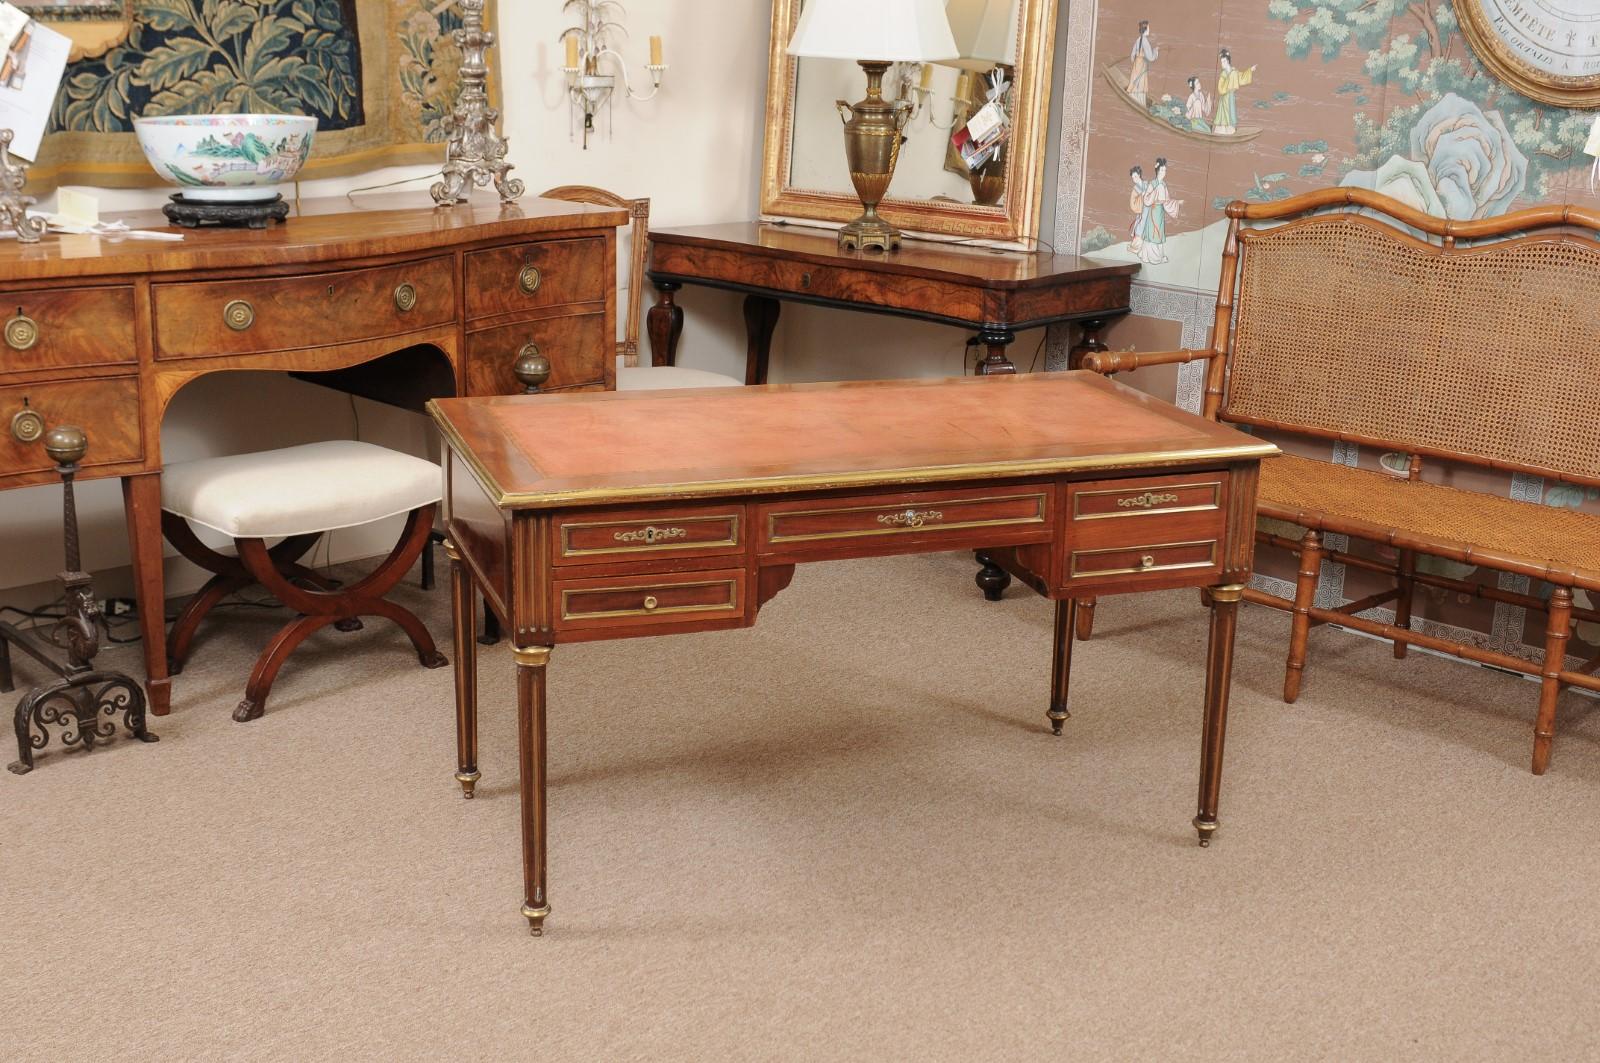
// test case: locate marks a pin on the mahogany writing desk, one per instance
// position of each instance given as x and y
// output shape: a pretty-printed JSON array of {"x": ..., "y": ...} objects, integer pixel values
[
  {"x": 995, "y": 293},
  {"x": 102, "y": 333},
  {"x": 609, "y": 516}
]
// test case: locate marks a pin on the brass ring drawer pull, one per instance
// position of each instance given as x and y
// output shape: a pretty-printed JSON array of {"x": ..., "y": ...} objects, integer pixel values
[
  {"x": 529, "y": 279},
  {"x": 911, "y": 518},
  {"x": 650, "y": 603},
  {"x": 1147, "y": 561},
  {"x": 27, "y": 426},
  {"x": 22, "y": 332},
  {"x": 405, "y": 297},
  {"x": 531, "y": 367},
  {"x": 239, "y": 315}
]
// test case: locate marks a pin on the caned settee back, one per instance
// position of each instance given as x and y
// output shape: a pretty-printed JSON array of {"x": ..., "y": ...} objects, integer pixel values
[{"x": 1477, "y": 340}]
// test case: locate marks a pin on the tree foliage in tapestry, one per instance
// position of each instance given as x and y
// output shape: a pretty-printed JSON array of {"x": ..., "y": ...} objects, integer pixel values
[
  {"x": 1435, "y": 85},
  {"x": 215, "y": 56}
]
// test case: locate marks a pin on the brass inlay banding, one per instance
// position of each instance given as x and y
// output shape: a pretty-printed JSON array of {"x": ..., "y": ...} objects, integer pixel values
[
  {"x": 22, "y": 332},
  {"x": 1147, "y": 561},
  {"x": 902, "y": 526},
  {"x": 1147, "y": 502},
  {"x": 650, "y": 606},
  {"x": 633, "y": 544}
]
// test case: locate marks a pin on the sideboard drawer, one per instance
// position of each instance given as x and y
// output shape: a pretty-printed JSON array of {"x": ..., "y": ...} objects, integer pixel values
[
  {"x": 606, "y": 536},
  {"x": 503, "y": 280},
  {"x": 66, "y": 327},
  {"x": 106, "y": 408},
  {"x": 657, "y": 601},
  {"x": 576, "y": 346},
  {"x": 208, "y": 319},
  {"x": 992, "y": 516}
]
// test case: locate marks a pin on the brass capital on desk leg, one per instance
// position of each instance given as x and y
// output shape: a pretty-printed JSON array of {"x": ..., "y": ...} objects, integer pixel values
[
  {"x": 1061, "y": 667},
  {"x": 1219, "y": 675},
  {"x": 465, "y": 617},
  {"x": 531, "y": 667}
]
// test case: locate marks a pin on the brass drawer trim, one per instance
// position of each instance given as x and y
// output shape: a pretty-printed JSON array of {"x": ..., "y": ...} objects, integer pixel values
[
  {"x": 623, "y": 527},
  {"x": 1148, "y": 503},
  {"x": 647, "y": 609},
  {"x": 930, "y": 519},
  {"x": 1075, "y": 572}
]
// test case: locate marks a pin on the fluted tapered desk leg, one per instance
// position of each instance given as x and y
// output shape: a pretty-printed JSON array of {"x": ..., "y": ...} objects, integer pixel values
[
  {"x": 531, "y": 664},
  {"x": 466, "y": 617},
  {"x": 1061, "y": 669},
  {"x": 1219, "y": 675}
]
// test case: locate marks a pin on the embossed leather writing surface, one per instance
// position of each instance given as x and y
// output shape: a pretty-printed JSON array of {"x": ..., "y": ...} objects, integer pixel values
[{"x": 670, "y": 440}]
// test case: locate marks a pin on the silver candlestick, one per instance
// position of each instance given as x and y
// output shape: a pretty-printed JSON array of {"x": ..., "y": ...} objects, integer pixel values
[
  {"x": 13, "y": 204},
  {"x": 476, "y": 153}
]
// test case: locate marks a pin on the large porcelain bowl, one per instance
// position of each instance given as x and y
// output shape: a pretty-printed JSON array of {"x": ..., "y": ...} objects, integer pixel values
[{"x": 226, "y": 158}]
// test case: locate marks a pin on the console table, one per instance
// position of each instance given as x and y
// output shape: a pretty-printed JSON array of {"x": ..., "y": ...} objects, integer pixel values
[
  {"x": 379, "y": 296},
  {"x": 691, "y": 509},
  {"x": 994, "y": 293}
]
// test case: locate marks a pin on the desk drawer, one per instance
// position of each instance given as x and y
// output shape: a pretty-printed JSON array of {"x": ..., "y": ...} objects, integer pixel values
[
  {"x": 1154, "y": 560},
  {"x": 209, "y": 319},
  {"x": 650, "y": 601},
  {"x": 66, "y": 327},
  {"x": 1147, "y": 529},
  {"x": 549, "y": 273},
  {"x": 106, "y": 408},
  {"x": 944, "y": 519},
  {"x": 607, "y": 536},
  {"x": 576, "y": 346}
]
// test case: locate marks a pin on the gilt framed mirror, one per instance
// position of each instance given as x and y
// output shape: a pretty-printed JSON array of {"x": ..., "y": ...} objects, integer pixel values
[{"x": 1005, "y": 45}]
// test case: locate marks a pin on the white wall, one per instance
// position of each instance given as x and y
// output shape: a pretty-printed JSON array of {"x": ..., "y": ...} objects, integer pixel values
[{"x": 695, "y": 150}]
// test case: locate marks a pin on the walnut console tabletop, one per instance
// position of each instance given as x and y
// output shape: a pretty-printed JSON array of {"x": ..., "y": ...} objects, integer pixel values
[
  {"x": 687, "y": 511},
  {"x": 102, "y": 333},
  {"x": 994, "y": 293}
]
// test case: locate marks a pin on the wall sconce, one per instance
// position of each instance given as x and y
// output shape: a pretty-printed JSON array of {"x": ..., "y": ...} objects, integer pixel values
[{"x": 588, "y": 89}]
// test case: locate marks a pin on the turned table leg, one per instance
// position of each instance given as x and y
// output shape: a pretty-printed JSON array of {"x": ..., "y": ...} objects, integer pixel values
[
  {"x": 664, "y": 323},
  {"x": 760, "y": 322},
  {"x": 1061, "y": 662},
  {"x": 991, "y": 579},
  {"x": 465, "y": 617},
  {"x": 141, "y": 499},
  {"x": 1219, "y": 676},
  {"x": 531, "y": 664},
  {"x": 996, "y": 339},
  {"x": 1089, "y": 343}
]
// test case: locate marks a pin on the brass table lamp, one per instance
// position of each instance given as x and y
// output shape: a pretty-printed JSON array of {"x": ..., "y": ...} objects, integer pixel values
[{"x": 889, "y": 31}]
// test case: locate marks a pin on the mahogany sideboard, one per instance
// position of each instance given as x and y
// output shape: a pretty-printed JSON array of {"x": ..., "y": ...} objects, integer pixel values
[
  {"x": 994, "y": 292},
  {"x": 102, "y": 333},
  {"x": 689, "y": 510}
]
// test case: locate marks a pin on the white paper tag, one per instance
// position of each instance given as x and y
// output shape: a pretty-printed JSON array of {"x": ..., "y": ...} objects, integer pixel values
[
  {"x": 77, "y": 208},
  {"x": 25, "y": 110}
]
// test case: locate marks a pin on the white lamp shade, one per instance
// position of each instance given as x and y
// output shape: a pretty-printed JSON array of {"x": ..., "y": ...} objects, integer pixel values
[
  {"x": 985, "y": 33},
  {"x": 914, "y": 31}
]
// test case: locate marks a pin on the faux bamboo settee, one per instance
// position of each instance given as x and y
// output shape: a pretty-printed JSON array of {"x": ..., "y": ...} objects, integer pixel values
[{"x": 1347, "y": 316}]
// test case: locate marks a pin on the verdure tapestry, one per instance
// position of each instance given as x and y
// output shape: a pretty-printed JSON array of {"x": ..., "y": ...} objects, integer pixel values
[{"x": 379, "y": 75}]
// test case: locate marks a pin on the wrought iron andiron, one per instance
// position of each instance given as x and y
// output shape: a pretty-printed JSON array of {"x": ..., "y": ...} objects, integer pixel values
[{"x": 82, "y": 702}]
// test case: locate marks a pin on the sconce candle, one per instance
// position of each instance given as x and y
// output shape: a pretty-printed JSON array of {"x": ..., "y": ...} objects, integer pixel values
[
  {"x": 572, "y": 53},
  {"x": 655, "y": 51}
]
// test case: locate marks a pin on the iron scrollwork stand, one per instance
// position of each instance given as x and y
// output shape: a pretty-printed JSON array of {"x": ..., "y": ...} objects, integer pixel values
[{"x": 82, "y": 702}]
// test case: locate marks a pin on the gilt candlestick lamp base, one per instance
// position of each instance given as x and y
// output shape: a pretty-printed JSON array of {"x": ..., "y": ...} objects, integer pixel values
[
  {"x": 476, "y": 153},
  {"x": 872, "y": 135}
]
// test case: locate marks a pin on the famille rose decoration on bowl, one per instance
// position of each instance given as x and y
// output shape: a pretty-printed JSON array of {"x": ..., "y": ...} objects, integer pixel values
[{"x": 226, "y": 158}]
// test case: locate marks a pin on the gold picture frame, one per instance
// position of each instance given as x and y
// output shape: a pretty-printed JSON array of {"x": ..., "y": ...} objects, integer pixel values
[
  {"x": 1492, "y": 50},
  {"x": 1016, "y": 220}
]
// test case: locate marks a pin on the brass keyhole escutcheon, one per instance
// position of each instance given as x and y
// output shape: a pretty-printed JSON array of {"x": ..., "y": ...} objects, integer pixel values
[
  {"x": 1147, "y": 561},
  {"x": 805, "y": 280},
  {"x": 22, "y": 332},
  {"x": 529, "y": 279},
  {"x": 239, "y": 315},
  {"x": 405, "y": 297},
  {"x": 650, "y": 602},
  {"x": 27, "y": 426}
]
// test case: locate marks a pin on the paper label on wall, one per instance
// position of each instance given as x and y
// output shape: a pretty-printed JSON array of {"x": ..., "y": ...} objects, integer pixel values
[{"x": 25, "y": 108}]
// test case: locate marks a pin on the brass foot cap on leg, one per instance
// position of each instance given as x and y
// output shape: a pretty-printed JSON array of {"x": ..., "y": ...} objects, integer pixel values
[
  {"x": 1057, "y": 718},
  {"x": 1206, "y": 828},
  {"x": 535, "y": 918},
  {"x": 469, "y": 782}
]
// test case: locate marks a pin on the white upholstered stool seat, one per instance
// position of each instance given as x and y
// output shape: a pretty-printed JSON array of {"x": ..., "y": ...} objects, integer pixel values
[
  {"x": 661, "y": 377},
  {"x": 296, "y": 495},
  {"x": 317, "y": 487}
]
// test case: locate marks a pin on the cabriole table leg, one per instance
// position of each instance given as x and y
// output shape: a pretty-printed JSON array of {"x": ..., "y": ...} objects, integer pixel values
[
  {"x": 465, "y": 617},
  {"x": 531, "y": 664},
  {"x": 1219, "y": 676}
]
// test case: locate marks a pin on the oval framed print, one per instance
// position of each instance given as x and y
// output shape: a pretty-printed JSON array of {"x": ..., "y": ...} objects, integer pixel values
[{"x": 1548, "y": 50}]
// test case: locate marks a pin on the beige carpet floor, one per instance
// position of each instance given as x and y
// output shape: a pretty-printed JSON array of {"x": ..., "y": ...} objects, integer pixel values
[{"x": 842, "y": 834}]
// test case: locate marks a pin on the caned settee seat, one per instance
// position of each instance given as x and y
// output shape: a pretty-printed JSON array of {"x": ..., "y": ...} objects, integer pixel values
[{"x": 1420, "y": 515}]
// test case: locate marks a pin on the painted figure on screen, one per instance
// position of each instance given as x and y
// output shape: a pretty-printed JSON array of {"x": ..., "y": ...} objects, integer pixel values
[
  {"x": 1144, "y": 53},
  {"x": 1229, "y": 81},
  {"x": 1197, "y": 109},
  {"x": 1151, "y": 205}
]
